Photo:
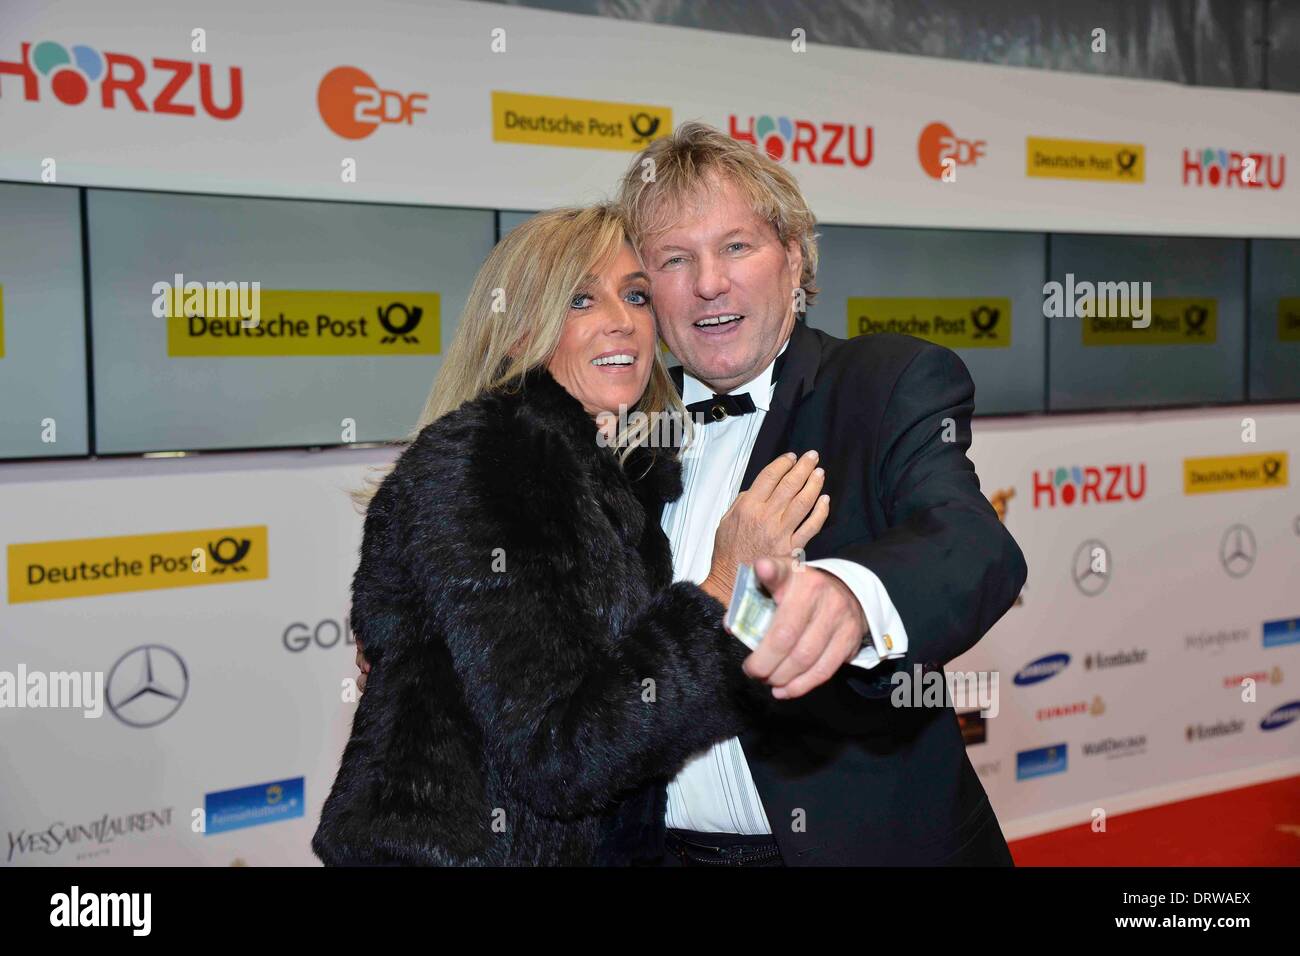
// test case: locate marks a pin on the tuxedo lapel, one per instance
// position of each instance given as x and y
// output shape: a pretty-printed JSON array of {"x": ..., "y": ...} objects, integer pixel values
[{"x": 797, "y": 378}]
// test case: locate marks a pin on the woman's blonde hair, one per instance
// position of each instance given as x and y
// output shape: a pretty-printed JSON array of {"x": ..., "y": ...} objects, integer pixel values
[
  {"x": 684, "y": 165},
  {"x": 515, "y": 315}
]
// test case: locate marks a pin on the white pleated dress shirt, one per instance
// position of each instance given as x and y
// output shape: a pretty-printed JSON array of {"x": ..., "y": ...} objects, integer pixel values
[{"x": 714, "y": 792}]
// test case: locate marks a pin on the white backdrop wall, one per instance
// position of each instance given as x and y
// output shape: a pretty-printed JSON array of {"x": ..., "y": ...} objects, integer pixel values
[
  {"x": 264, "y": 660},
  {"x": 436, "y": 67}
]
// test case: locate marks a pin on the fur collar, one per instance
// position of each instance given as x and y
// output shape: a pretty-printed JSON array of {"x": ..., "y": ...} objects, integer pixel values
[{"x": 654, "y": 473}]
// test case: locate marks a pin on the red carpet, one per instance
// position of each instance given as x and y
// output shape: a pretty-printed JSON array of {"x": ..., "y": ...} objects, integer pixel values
[{"x": 1253, "y": 826}]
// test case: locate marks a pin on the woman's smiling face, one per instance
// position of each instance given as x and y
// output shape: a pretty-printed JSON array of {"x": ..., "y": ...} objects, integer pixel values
[{"x": 607, "y": 348}]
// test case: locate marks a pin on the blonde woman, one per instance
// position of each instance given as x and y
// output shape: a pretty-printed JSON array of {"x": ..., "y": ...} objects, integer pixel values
[{"x": 532, "y": 661}]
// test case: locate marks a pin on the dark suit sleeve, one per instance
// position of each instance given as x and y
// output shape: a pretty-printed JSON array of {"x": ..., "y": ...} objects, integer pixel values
[
  {"x": 948, "y": 564},
  {"x": 578, "y": 698}
]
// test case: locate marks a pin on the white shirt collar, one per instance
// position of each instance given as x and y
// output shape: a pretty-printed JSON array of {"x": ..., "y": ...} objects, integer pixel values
[{"x": 759, "y": 388}]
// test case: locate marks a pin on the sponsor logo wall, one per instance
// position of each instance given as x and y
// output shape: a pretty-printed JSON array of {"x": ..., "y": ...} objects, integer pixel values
[
  {"x": 498, "y": 121},
  {"x": 222, "y": 719},
  {"x": 1156, "y": 637},
  {"x": 1122, "y": 667}
]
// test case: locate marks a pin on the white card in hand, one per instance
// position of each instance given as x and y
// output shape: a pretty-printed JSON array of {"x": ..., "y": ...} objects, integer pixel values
[{"x": 751, "y": 610}]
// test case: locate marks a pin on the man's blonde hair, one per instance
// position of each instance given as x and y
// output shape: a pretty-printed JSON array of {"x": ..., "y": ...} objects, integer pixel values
[{"x": 674, "y": 173}]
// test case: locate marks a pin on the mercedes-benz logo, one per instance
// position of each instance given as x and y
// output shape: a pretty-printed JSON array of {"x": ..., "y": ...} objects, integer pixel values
[
  {"x": 1237, "y": 550},
  {"x": 1088, "y": 579},
  {"x": 147, "y": 685}
]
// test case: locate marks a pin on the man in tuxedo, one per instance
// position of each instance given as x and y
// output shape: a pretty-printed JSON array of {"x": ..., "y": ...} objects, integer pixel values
[{"x": 910, "y": 570}]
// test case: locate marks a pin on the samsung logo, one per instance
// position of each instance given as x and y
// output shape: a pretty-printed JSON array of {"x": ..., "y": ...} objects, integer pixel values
[
  {"x": 1041, "y": 669},
  {"x": 1281, "y": 716}
]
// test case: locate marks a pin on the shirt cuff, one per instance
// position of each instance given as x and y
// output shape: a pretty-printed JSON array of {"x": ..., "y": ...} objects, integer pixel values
[{"x": 885, "y": 626}]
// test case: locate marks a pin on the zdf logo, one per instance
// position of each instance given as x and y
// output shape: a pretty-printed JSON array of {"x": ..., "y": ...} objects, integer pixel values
[
  {"x": 353, "y": 105},
  {"x": 941, "y": 152}
]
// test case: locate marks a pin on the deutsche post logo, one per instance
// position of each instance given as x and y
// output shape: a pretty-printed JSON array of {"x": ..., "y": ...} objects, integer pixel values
[{"x": 86, "y": 567}]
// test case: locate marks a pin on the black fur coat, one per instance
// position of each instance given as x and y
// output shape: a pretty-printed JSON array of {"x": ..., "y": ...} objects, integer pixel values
[{"x": 532, "y": 661}]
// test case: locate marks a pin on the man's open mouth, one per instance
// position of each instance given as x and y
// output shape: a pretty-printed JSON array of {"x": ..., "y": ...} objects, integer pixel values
[{"x": 715, "y": 323}]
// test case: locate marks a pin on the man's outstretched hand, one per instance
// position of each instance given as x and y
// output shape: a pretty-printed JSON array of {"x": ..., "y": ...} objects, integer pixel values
[{"x": 817, "y": 628}]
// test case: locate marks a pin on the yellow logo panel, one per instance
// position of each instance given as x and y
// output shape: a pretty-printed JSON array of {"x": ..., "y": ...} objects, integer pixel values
[
  {"x": 305, "y": 322},
  {"x": 1288, "y": 320},
  {"x": 1235, "y": 473},
  {"x": 958, "y": 323},
  {"x": 84, "y": 567},
  {"x": 586, "y": 124},
  {"x": 1084, "y": 159},
  {"x": 1174, "y": 321}
]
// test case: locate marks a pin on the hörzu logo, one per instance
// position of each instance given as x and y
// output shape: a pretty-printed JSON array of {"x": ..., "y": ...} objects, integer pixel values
[
  {"x": 825, "y": 144},
  {"x": 1068, "y": 486},
  {"x": 1226, "y": 168},
  {"x": 71, "y": 71}
]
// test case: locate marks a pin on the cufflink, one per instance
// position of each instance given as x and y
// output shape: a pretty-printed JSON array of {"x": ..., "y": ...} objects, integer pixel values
[{"x": 889, "y": 642}]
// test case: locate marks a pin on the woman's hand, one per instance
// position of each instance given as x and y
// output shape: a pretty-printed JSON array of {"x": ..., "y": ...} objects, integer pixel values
[
  {"x": 363, "y": 666},
  {"x": 780, "y": 513}
]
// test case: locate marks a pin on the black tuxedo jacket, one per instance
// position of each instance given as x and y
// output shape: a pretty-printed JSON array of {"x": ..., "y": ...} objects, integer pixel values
[{"x": 845, "y": 777}]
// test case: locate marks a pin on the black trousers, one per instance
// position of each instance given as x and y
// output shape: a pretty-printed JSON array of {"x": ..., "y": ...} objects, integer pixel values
[
  {"x": 985, "y": 847},
  {"x": 692, "y": 848}
]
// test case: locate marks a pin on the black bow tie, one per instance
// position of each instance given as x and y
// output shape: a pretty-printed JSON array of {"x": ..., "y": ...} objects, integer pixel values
[
  {"x": 721, "y": 407},
  {"x": 718, "y": 407}
]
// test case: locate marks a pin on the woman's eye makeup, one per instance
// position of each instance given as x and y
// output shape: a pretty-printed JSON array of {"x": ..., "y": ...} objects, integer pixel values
[
  {"x": 642, "y": 295},
  {"x": 575, "y": 302}
]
